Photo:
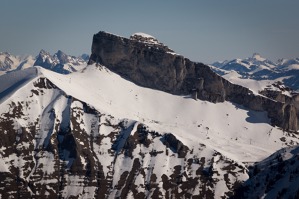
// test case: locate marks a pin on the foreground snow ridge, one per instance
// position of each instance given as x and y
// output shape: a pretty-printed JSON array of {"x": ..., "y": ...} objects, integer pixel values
[{"x": 93, "y": 134}]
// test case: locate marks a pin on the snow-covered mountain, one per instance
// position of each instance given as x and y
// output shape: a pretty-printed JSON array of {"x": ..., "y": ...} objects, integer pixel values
[
  {"x": 249, "y": 65},
  {"x": 59, "y": 62},
  {"x": 261, "y": 69},
  {"x": 275, "y": 177},
  {"x": 10, "y": 62},
  {"x": 93, "y": 133}
]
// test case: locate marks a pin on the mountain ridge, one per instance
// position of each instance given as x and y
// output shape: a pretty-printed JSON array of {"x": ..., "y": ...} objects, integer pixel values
[
  {"x": 78, "y": 134},
  {"x": 156, "y": 68}
]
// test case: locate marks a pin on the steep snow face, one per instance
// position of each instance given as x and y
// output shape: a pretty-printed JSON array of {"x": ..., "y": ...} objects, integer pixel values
[{"x": 92, "y": 134}]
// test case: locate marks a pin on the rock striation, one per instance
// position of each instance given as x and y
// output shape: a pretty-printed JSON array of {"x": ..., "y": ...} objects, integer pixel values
[{"x": 154, "y": 65}]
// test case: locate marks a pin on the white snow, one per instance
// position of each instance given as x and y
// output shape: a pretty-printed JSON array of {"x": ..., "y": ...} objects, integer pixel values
[
  {"x": 258, "y": 57},
  {"x": 236, "y": 133},
  {"x": 143, "y": 35},
  {"x": 254, "y": 85},
  {"x": 230, "y": 127},
  {"x": 293, "y": 67},
  {"x": 145, "y": 38}
]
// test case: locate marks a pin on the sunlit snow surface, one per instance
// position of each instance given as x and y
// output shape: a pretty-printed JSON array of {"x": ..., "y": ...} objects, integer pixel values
[
  {"x": 143, "y": 35},
  {"x": 236, "y": 132}
]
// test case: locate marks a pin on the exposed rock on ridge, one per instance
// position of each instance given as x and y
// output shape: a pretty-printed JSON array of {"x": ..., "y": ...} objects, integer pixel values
[
  {"x": 156, "y": 66},
  {"x": 68, "y": 149}
]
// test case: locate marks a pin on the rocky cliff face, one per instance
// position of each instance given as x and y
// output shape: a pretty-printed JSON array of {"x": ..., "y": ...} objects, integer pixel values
[{"x": 155, "y": 66}]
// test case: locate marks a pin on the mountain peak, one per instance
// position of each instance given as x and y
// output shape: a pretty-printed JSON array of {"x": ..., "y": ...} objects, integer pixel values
[
  {"x": 59, "y": 52},
  {"x": 145, "y": 38},
  {"x": 257, "y": 57},
  {"x": 141, "y": 34},
  {"x": 42, "y": 51},
  {"x": 62, "y": 57}
]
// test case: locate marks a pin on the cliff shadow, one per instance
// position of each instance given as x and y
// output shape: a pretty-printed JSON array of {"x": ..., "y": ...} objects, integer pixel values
[
  {"x": 11, "y": 90},
  {"x": 254, "y": 117}
]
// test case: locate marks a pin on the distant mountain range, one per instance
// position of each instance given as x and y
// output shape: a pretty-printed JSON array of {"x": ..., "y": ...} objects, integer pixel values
[
  {"x": 59, "y": 62},
  {"x": 259, "y": 68}
]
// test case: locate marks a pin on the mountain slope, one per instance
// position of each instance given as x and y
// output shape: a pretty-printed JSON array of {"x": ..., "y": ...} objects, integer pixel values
[{"x": 93, "y": 134}]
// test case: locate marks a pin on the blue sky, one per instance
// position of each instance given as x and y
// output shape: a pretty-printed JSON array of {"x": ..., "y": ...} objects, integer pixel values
[{"x": 205, "y": 31}]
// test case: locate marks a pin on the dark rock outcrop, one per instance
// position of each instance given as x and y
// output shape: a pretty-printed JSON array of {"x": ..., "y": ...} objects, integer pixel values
[
  {"x": 169, "y": 140},
  {"x": 156, "y": 66},
  {"x": 281, "y": 93},
  {"x": 160, "y": 70}
]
